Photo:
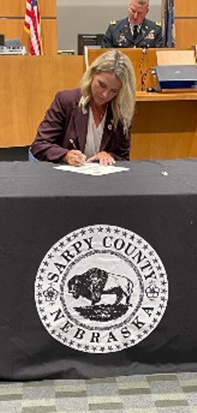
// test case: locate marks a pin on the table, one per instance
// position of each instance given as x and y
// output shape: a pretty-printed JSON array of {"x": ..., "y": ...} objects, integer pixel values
[{"x": 98, "y": 274}]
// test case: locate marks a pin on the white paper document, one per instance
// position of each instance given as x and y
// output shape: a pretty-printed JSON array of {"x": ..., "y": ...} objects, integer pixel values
[{"x": 92, "y": 169}]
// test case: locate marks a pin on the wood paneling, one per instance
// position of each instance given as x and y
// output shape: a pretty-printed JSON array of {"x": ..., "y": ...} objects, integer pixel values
[
  {"x": 28, "y": 85},
  {"x": 141, "y": 62},
  {"x": 12, "y": 28},
  {"x": 13, "y": 25},
  {"x": 165, "y": 129},
  {"x": 15, "y": 28},
  {"x": 185, "y": 8},
  {"x": 49, "y": 37},
  {"x": 186, "y": 32},
  {"x": 48, "y": 8},
  {"x": 16, "y": 8},
  {"x": 169, "y": 96},
  {"x": 164, "y": 125},
  {"x": 185, "y": 13}
]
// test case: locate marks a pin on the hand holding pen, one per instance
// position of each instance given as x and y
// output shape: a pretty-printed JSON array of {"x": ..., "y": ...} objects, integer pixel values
[{"x": 74, "y": 156}]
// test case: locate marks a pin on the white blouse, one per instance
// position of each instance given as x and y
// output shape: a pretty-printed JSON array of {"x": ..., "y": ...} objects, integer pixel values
[{"x": 94, "y": 135}]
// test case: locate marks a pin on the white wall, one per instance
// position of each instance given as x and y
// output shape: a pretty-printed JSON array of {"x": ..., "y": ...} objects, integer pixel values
[{"x": 92, "y": 16}]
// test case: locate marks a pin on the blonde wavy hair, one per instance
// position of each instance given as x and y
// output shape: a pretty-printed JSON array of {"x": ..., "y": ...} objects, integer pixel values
[{"x": 123, "y": 104}]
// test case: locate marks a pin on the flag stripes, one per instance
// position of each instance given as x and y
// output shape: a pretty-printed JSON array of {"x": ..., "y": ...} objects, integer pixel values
[{"x": 32, "y": 26}]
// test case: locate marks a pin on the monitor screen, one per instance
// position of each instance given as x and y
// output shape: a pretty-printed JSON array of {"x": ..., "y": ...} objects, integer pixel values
[
  {"x": 89, "y": 40},
  {"x": 2, "y": 38},
  {"x": 16, "y": 42}
]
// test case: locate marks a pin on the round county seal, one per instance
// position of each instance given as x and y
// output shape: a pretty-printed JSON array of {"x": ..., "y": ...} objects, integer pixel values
[{"x": 101, "y": 289}]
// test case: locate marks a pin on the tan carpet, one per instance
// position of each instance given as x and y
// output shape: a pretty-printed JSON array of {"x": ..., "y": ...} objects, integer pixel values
[{"x": 165, "y": 393}]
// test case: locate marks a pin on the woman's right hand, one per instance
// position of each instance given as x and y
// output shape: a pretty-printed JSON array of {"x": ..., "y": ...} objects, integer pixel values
[{"x": 74, "y": 157}]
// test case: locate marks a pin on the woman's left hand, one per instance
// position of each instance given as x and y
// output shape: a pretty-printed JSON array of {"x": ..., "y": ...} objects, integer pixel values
[{"x": 103, "y": 158}]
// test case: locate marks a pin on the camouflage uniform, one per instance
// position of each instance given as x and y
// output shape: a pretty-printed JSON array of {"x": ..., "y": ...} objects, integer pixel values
[{"x": 119, "y": 34}]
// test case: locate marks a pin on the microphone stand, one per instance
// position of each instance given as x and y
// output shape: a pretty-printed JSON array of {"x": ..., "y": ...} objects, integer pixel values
[
  {"x": 141, "y": 64},
  {"x": 143, "y": 80}
]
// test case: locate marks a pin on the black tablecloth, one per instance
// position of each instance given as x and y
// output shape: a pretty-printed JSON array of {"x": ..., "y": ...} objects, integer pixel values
[{"x": 69, "y": 308}]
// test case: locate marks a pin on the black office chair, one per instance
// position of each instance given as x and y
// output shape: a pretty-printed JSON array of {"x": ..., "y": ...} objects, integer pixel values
[{"x": 14, "y": 153}]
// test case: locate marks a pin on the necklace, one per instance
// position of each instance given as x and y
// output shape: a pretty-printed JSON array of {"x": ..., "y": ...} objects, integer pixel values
[{"x": 98, "y": 112}]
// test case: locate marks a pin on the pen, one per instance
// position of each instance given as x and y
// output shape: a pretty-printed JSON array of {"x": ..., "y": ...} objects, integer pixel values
[
  {"x": 74, "y": 147},
  {"x": 72, "y": 143}
]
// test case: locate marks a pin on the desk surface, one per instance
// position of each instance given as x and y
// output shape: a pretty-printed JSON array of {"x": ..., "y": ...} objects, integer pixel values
[
  {"x": 41, "y": 179},
  {"x": 142, "y": 96},
  {"x": 98, "y": 274}
]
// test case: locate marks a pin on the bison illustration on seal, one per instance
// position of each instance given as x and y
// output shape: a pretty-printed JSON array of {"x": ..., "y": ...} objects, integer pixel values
[{"x": 95, "y": 282}]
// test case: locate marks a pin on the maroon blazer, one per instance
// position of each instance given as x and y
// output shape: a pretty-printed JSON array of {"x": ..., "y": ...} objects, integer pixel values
[{"x": 64, "y": 120}]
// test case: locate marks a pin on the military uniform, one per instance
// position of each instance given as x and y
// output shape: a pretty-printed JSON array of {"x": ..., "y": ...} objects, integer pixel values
[{"x": 119, "y": 34}]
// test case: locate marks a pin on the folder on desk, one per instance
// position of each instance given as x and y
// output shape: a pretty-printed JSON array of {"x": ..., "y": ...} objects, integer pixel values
[{"x": 176, "y": 77}]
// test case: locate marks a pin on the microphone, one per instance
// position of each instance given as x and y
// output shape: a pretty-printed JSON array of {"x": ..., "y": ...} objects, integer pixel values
[{"x": 144, "y": 46}]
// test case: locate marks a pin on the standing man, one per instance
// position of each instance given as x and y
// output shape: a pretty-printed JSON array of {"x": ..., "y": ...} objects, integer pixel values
[{"x": 135, "y": 30}]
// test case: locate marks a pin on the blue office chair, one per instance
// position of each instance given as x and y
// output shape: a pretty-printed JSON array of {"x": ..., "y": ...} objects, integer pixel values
[{"x": 31, "y": 158}]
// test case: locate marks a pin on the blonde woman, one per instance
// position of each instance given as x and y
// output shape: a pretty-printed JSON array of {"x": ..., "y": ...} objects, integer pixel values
[{"x": 91, "y": 123}]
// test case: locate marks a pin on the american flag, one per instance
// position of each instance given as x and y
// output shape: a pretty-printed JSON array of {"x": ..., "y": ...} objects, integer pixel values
[{"x": 33, "y": 26}]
